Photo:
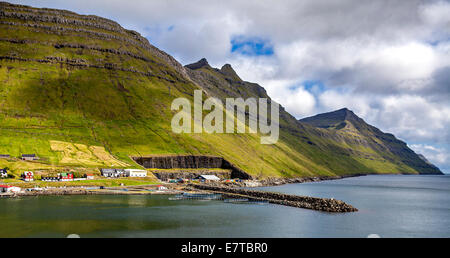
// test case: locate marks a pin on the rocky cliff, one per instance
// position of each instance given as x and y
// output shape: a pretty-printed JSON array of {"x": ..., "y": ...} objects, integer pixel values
[{"x": 191, "y": 161}]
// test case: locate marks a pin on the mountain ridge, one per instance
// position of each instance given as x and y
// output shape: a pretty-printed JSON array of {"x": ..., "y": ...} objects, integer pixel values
[{"x": 85, "y": 80}]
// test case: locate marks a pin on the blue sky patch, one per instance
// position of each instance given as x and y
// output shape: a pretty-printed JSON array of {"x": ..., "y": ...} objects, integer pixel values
[
  {"x": 251, "y": 46},
  {"x": 313, "y": 86}
]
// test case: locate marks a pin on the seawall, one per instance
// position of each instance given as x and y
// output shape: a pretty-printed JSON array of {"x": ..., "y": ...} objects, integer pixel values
[{"x": 306, "y": 202}]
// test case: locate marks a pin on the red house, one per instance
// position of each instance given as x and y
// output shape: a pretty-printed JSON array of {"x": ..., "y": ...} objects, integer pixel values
[
  {"x": 28, "y": 176},
  {"x": 66, "y": 177}
]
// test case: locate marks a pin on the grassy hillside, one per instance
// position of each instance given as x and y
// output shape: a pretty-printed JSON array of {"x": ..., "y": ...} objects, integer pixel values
[{"x": 81, "y": 91}]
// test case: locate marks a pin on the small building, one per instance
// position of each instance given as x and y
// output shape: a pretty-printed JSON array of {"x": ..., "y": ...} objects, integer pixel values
[
  {"x": 161, "y": 187},
  {"x": 135, "y": 173},
  {"x": 89, "y": 176},
  {"x": 5, "y": 156},
  {"x": 3, "y": 173},
  {"x": 29, "y": 157},
  {"x": 50, "y": 179},
  {"x": 120, "y": 172},
  {"x": 111, "y": 172},
  {"x": 28, "y": 176},
  {"x": 208, "y": 178},
  {"x": 10, "y": 189},
  {"x": 108, "y": 172},
  {"x": 64, "y": 177}
]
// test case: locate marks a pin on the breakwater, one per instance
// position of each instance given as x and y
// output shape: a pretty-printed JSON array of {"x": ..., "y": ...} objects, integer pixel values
[{"x": 306, "y": 202}]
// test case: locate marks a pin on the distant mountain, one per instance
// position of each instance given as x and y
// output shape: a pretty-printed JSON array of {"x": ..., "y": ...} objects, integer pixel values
[
  {"x": 355, "y": 131},
  {"x": 72, "y": 82}
]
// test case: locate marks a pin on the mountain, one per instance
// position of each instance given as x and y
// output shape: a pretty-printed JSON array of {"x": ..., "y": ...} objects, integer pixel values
[
  {"x": 82, "y": 91},
  {"x": 352, "y": 130}
]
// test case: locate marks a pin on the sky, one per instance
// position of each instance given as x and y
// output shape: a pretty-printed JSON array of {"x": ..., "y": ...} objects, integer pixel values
[{"x": 388, "y": 61}]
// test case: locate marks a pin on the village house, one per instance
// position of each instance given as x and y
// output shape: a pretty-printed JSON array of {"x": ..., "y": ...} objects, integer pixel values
[
  {"x": 5, "y": 156},
  {"x": 111, "y": 172},
  {"x": 50, "y": 179},
  {"x": 89, "y": 176},
  {"x": 3, "y": 173},
  {"x": 29, "y": 157},
  {"x": 10, "y": 189},
  {"x": 161, "y": 187},
  {"x": 28, "y": 176},
  {"x": 135, "y": 173},
  {"x": 64, "y": 177}
]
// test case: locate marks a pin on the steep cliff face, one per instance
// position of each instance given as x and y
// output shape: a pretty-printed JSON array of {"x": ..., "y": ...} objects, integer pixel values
[
  {"x": 85, "y": 79},
  {"x": 192, "y": 162}
]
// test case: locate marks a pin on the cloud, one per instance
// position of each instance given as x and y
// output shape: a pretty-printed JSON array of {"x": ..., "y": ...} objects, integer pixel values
[{"x": 436, "y": 155}]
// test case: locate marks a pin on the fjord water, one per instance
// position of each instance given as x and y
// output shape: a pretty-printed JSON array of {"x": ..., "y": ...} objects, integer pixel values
[{"x": 389, "y": 206}]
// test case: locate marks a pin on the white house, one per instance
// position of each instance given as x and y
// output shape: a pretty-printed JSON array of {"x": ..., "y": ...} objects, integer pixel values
[
  {"x": 161, "y": 188},
  {"x": 10, "y": 189},
  {"x": 3, "y": 172},
  {"x": 135, "y": 173},
  {"x": 111, "y": 172},
  {"x": 208, "y": 178}
]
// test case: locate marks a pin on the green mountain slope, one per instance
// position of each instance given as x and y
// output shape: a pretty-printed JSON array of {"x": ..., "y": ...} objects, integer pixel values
[
  {"x": 352, "y": 130},
  {"x": 84, "y": 81}
]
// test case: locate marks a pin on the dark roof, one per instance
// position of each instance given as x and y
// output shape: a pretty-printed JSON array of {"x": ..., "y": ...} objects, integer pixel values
[
  {"x": 108, "y": 170},
  {"x": 4, "y": 155},
  {"x": 29, "y": 155},
  {"x": 3, "y": 170}
]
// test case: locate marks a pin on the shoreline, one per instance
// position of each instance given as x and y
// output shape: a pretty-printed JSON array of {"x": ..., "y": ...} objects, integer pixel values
[
  {"x": 174, "y": 189},
  {"x": 298, "y": 180}
]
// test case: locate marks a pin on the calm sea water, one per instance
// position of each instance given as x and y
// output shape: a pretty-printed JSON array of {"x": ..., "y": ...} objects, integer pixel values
[{"x": 390, "y": 206}]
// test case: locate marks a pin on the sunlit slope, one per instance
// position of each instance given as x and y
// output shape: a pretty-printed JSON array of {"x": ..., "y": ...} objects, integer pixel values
[
  {"x": 86, "y": 81},
  {"x": 349, "y": 145}
]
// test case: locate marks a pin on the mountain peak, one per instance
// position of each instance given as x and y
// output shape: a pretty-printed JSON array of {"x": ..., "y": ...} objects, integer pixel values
[
  {"x": 230, "y": 72},
  {"x": 345, "y": 113},
  {"x": 199, "y": 64},
  {"x": 332, "y": 119}
]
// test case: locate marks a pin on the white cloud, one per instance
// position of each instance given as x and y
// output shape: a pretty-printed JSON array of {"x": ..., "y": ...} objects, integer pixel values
[{"x": 438, "y": 156}]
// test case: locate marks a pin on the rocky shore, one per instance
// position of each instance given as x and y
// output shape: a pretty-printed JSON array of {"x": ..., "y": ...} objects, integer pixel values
[{"x": 282, "y": 181}]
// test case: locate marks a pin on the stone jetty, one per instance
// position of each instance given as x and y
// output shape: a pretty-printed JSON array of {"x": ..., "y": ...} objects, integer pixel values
[{"x": 306, "y": 202}]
